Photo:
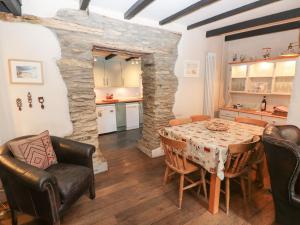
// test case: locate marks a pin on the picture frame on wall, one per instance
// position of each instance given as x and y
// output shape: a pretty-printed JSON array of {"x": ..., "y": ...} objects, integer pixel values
[
  {"x": 191, "y": 68},
  {"x": 25, "y": 71}
]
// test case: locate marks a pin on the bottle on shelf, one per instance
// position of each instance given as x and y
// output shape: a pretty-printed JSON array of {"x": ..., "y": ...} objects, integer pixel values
[{"x": 263, "y": 105}]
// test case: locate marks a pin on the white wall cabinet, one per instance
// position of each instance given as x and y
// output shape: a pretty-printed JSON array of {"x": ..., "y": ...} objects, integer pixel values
[{"x": 131, "y": 74}]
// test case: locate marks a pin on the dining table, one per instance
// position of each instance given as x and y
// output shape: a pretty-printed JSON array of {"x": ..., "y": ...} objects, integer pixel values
[{"x": 208, "y": 148}]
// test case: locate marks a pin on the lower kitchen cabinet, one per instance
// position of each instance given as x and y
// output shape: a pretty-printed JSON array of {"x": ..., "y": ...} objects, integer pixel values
[
  {"x": 132, "y": 116},
  {"x": 230, "y": 115},
  {"x": 106, "y": 118}
]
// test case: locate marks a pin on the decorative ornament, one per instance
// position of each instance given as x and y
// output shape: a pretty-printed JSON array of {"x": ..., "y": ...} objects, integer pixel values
[
  {"x": 29, "y": 98},
  {"x": 19, "y": 103},
  {"x": 41, "y": 101}
]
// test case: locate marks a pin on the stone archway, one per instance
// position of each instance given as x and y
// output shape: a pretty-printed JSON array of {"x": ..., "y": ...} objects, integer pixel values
[{"x": 77, "y": 33}]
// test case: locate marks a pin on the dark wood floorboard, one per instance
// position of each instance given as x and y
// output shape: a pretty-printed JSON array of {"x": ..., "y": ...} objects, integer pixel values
[{"x": 131, "y": 193}]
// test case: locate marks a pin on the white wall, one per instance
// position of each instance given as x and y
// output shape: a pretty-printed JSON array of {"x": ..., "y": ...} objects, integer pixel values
[
  {"x": 294, "y": 109},
  {"x": 32, "y": 42},
  {"x": 194, "y": 46}
]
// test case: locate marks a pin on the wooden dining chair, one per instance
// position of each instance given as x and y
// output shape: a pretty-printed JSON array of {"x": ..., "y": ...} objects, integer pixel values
[
  {"x": 200, "y": 117},
  {"x": 176, "y": 162},
  {"x": 251, "y": 121},
  {"x": 179, "y": 121},
  {"x": 238, "y": 166}
]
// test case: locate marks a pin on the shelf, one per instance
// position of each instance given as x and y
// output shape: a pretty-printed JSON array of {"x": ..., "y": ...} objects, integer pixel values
[
  {"x": 265, "y": 60},
  {"x": 257, "y": 93},
  {"x": 238, "y": 77},
  {"x": 260, "y": 76}
]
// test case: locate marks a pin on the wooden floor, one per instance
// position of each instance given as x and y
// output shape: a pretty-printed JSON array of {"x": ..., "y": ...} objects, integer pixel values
[{"x": 131, "y": 193}]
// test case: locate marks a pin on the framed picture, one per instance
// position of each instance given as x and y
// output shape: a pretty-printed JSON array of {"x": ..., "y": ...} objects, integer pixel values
[
  {"x": 191, "y": 68},
  {"x": 25, "y": 71}
]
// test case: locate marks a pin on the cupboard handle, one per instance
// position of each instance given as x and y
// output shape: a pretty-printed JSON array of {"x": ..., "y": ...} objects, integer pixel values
[
  {"x": 111, "y": 111},
  {"x": 99, "y": 114}
]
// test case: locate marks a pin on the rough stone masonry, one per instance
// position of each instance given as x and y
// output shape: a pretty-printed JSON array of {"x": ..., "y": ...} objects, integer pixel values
[{"x": 77, "y": 33}]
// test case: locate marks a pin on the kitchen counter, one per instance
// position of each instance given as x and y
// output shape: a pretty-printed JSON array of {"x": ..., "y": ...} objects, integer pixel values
[
  {"x": 265, "y": 113},
  {"x": 106, "y": 102}
]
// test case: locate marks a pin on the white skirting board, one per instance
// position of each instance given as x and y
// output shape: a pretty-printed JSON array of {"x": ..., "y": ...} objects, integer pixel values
[{"x": 157, "y": 152}]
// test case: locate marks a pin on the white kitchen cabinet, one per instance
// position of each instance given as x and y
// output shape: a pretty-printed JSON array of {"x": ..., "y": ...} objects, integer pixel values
[
  {"x": 113, "y": 72},
  {"x": 262, "y": 69},
  {"x": 131, "y": 74},
  {"x": 249, "y": 115},
  {"x": 99, "y": 74},
  {"x": 274, "y": 120},
  {"x": 106, "y": 118},
  {"x": 228, "y": 115},
  {"x": 132, "y": 116}
]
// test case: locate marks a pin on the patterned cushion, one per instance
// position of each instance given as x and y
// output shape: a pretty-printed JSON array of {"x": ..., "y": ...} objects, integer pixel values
[{"x": 36, "y": 151}]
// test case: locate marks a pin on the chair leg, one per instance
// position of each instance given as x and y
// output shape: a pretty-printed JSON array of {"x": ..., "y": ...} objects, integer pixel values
[
  {"x": 203, "y": 182},
  {"x": 166, "y": 175},
  {"x": 92, "y": 191},
  {"x": 259, "y": 174},
  {"x": 181, "y": 183},
  {"x": 249, "y": 186},
  {"x": 227, "y": 192},
  {"x": 14, "y": 218},
  {"x": 243, "y": 189}
]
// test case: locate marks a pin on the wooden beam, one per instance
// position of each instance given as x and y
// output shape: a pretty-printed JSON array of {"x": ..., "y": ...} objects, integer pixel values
[
  {"x": 277, "y": 17},
  {"x": 262, "y": 31},
  {"x": 131, "y": 58},
  {"x": 14, "y": 6},
  {"x": 84, "y": 4},
  {"x": 233, "y": 12},
  {"x": 110, "y": 56},
  {"x": 192, "y": 8},
  {"x": 137, "y": 7}
]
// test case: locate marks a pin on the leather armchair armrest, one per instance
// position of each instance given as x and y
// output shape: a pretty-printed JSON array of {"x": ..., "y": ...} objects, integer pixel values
[
  {"x": 68, "y": 151},
  {"x": 26, "y": 174}
]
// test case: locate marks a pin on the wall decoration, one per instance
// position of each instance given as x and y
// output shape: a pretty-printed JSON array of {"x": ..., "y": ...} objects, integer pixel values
[
  {"x": 19, "y": 103},
  {"x": 191, "y": 68},
  {"x": 41, "y": 100},
  {"x": 29, "y": 98},
  {"x": 25, "y": 71}
]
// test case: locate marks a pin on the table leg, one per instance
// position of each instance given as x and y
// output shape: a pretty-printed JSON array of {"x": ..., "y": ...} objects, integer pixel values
[{"x": 214, "y": 196}]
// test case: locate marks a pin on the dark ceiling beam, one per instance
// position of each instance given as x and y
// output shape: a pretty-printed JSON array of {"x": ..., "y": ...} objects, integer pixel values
[
  {"x": 131, "y": 58},
  {"x": 110, "y": 56},
  {"x": 233, "y": 12},
  {"x": 84, "y": 4},
  {"x": 277, "y": 17},
  {"x": 192, "y": 8},
  {"x": 137, "y": 7},
  {"x": 14, "y": 6},
  {"x": 266, "y": 30}
]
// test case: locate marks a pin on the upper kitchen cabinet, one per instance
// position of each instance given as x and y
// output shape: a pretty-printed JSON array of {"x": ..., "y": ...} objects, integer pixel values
[
  {"x": 113, "y": 71},
  {"x": 99, "y": 74},
  {"x": 262, "y": 69},
  {"x": 285, "y": 69},
  {"x": 131, "y": 74},
  {"x": 239, "y": 71}
]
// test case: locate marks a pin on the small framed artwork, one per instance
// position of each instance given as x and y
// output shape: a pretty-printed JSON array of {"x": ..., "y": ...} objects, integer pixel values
[
  {"x": 191, "y": 68},
  {"x": 25, "y": 71}
]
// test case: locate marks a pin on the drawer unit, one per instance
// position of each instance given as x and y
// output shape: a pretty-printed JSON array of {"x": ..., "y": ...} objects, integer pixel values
[
  {"x": 274, "y": 120},
  {"x": 106, "y": 119},
  {"x": 251, "y": 116},
  {"x": 228, "y": 115}
]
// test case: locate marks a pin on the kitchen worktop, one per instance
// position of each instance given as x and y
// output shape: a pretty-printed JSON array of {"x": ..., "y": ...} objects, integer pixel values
[
  {"x": 105, "y": 102},
  {"x": 262, "y": 113}
]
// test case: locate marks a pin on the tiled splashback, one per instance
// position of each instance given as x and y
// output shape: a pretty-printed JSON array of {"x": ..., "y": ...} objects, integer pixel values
[{"x": 119, "y": 93}]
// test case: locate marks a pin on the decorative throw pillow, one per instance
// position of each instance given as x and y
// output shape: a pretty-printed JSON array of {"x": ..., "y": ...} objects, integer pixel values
[{"x": 36, "y": 151}]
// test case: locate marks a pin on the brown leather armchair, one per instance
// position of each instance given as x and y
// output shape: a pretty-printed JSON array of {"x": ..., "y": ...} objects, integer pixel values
[
  {"x": 47, "y": 194},
  {"x": 282, "y": 147}
]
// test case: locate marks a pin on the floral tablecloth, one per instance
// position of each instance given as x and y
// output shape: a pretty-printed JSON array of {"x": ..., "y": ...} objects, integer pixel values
[{"x": 209, "y": 148}]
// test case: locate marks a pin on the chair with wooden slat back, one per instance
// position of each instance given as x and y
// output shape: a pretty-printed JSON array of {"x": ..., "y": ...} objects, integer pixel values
[
  {"x": 251, "y": 121},
  {"x": 199, "y": 117},
  {"x": 177, "y": 162},
  {"x": 259, "y": 164},
  {"x": 176, "y": 122},
  {"x": 238, "y": 164}
]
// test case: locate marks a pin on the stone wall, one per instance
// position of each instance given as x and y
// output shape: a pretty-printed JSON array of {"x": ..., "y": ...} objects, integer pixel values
[{"x": 77, "y": 33}]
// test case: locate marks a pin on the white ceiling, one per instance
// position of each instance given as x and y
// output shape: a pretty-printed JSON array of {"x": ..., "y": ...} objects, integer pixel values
[{"x": 160, "y": 9}]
